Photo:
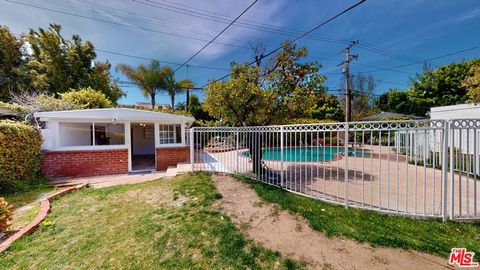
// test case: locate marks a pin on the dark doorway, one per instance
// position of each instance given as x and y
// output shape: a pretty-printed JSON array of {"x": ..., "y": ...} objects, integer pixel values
[{"x": 143, "y": 146}]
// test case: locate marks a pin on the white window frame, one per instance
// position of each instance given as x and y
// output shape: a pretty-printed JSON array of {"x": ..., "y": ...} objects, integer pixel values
[
  {"x": 56, "y": 127},
  {"x": 174, "y": 132}
]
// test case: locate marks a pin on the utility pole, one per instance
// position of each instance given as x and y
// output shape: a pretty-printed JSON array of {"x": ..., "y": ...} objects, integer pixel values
[
  {"x": 348, "y": 79},
  {"x": 187, "y": 101}
]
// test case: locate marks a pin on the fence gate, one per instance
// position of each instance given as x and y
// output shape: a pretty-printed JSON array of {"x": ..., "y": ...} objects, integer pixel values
[{"x": 425, "y": 168}]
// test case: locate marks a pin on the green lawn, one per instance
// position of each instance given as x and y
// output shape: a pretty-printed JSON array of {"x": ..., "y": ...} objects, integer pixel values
[
  {"x": 169, "y": 224},
  {"x": 431, "y": 236},
  {"x": 26, "y": 215},
  {"x": 23, "y": 198}
]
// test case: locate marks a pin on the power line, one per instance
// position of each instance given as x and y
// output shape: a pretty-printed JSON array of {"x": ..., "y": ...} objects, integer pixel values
[
  {"x": 219, "y": 34},
  {"x": 390, "y": 82},
  {"x": 141, "y": 18},
  {"x": 162, "y": 61},
  {"x": 253, "y": 26},
  {"x": 387, "y": 69},
  {"x": 257, "y": 26},
  {"x": 122, "y": 24},
  {"x": 384, "y": 52},
  {"x": 191, "y": 11},
  {"x": 226, "y": 69},
  {"x": 301, "y": 36},
  {"x": 429, "y": 59}
]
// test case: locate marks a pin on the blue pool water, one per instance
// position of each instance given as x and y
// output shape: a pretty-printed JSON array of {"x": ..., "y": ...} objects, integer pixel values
[{"x": 307, "y": 154}]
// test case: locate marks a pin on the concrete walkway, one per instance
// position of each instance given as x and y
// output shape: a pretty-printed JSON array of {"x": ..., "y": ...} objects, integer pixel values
[{"x": 123, "y": 179}]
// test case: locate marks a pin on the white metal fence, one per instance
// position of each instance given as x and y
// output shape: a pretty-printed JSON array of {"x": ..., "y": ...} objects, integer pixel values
[{"x": 394, "y": 166}]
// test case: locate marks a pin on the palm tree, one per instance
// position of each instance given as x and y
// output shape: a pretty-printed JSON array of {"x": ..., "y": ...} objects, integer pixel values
[
  {"x": 173, "y": 87},
  {"x": 150, "y": 78}
]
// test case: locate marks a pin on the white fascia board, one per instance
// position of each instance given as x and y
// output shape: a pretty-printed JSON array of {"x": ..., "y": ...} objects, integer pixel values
[{"x": 119, "y": 114}]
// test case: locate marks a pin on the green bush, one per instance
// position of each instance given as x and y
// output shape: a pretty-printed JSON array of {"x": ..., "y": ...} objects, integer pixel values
[
  {"x": 87, "y": 97},
  {"x": 19, "y": 157},
  {"x": 5, "y": 214}
]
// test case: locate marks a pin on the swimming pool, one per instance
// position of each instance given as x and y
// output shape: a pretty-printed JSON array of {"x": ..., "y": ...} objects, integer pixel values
[{"x": 306, "y": 154}]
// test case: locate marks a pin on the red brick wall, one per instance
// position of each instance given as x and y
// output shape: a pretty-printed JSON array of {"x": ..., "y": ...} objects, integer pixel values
[
  {"x": 170, "y": 156},
  {"x": 57, "y": 164}
]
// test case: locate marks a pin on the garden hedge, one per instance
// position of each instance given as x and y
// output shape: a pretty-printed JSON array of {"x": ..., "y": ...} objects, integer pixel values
[{"x": 19, "y": 157}]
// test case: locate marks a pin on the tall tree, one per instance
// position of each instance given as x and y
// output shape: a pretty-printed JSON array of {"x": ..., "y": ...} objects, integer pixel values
[
  {"x": 174, "y": 87},
  {"x": 472, "y": 83},
  {"x": 57, "y": 65},
  {"x": 395, "y": 100},
  {"x": 328, "y": 108},
  {"x": 285, "y": 88},
  {"x": 362, "y": 94},
  {"x": 443, "y": 86},
  {"x": 151, "y": 78},
  {"x": 196, "y": 109},
  {"x": 87, "y": 97},
  {"x": 10, "y": 62}
]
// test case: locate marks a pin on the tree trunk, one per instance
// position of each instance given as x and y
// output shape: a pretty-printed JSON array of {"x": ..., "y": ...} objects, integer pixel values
[
  {"x": 172, "y": 98},
  {"x": 152, "y": 99},
  {"x": 187, "y": 103},
  {"x": 255, "y": 148}
]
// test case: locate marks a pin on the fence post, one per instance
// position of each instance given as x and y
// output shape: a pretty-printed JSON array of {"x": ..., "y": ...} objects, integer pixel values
[
  {"x": 346, "y": 165},
  {"x": 237, "y": 157},
  {"x": 452, "y": 170},
  {"x": 445, "y": 170},
  {"x": 192, "y": 148},
  {"x": 281, "y": 158}
]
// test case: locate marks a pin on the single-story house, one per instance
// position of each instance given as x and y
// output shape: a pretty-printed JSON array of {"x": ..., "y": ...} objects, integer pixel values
[{"x": 95, "y": 142}]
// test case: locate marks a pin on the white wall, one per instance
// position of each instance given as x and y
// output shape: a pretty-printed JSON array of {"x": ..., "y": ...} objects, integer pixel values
[
  {"x": 463, "y": 138},
  {"x": 142, "y": 145},
  {"x": 461, "y": 111},
  {"x": 467, "y": 140}
]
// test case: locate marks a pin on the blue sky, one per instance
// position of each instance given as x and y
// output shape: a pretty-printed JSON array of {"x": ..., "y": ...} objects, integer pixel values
[{"x": 391, "y": 33}]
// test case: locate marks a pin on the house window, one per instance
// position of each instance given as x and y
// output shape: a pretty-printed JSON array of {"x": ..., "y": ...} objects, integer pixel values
[
  {"x": 170, "y": 134},
  {"x": 91, "y": 134},
  {"x": 109, "y": 134},
  {"x": 75, "y": 134}
]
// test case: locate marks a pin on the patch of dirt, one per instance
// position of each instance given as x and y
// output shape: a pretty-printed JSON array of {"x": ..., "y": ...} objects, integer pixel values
[
  {"x": 276, "y": 229},
  {"x": 152, "y": 196}
]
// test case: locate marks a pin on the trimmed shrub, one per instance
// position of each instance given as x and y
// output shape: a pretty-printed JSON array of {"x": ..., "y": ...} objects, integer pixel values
[
  {"x": 5, "y": 214},
  {"x": 19, "y": 157}
]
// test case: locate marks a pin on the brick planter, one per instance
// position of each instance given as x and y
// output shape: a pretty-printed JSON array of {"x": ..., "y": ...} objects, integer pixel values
[
  {"x": 59, "y": 164},
  {"x": 170, "y": 156}
]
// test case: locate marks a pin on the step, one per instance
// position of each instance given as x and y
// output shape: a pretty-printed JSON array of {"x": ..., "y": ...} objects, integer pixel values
[{"x": 171, "y": 171}]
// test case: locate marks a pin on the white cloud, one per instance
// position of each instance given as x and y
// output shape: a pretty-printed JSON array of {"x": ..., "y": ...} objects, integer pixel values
[{"x": 146, "y": 16}]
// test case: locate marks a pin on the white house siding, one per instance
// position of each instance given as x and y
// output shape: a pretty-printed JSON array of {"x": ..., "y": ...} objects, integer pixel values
[{"x": 467, "y": 141}]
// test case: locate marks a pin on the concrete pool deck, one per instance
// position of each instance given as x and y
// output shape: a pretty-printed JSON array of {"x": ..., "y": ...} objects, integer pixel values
[{"x": 383, "y": 181}]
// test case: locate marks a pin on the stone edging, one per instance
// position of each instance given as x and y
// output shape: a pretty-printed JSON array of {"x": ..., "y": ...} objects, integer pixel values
[{"x": 42, "y": 213}]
